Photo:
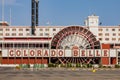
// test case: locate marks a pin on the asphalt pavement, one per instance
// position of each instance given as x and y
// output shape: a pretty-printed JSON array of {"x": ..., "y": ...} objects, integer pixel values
[{"x": 58, "y": 74}]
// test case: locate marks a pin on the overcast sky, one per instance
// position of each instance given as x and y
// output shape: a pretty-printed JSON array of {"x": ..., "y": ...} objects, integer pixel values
[{"x": 62, "y": 12}]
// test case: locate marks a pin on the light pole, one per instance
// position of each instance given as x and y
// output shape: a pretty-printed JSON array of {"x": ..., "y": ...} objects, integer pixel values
[
  {"x": 49, "y": 43},
  {"x": 3, "y": 10},
  {"x": 3, "y": 29}
]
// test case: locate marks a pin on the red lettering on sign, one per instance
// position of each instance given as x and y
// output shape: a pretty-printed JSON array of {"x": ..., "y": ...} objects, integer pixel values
[
  {"x": 97, "y": 53},
  {"x": 105, "y": 53},
  {"x": 46, "y": 53},
  {"x": 32, "y": 53},
  {"x": 53, "y": 53},
  {"x": 24, "y": 53},
  {"x": 39, "y": 53},
  {"x": 75, "y": 53},
  {"x": 90, "y": 53},
  {"x": 18, "y": 53},
  {"x": 60, "y": 53},
  {"x": 83, "y": 52},
  {"x": 11, "y": 53}
]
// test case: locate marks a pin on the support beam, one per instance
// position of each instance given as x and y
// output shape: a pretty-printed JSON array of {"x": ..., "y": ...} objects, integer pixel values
[
  {"x": 37, "y": 12},
  {"x": 33, "y": 18}
]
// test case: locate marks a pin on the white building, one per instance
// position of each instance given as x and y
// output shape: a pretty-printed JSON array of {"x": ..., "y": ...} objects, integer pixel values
[{"x": 89, "y": 36}]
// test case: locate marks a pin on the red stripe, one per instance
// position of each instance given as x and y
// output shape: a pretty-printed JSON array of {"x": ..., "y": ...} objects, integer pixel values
[{"x": 43, "y": 38}]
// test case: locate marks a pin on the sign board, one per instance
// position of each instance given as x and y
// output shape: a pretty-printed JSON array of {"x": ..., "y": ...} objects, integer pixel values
[{"x": 59, "y": 53}]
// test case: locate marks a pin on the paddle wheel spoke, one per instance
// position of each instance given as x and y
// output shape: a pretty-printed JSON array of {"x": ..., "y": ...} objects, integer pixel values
[{"x": 75, "y": 37}]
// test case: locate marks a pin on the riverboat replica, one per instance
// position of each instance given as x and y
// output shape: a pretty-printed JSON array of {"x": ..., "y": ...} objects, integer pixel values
[{"x": 88, "y": 44}]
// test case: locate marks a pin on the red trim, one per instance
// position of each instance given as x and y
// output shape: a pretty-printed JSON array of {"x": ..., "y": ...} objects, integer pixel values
[
  {"x": 43, "y": 38},
  {"x": 71, "y": 30}
]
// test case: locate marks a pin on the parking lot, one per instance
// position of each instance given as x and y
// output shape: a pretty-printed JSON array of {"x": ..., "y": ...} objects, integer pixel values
[{"x": 58, "y": 74}]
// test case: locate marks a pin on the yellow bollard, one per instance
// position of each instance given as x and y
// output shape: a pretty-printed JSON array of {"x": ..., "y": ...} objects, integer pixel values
[
  {"x": 93, "y": 70},
  {"x": 73, "y": 69}
]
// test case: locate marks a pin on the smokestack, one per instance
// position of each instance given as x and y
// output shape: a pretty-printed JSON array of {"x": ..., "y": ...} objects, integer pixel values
[
  {"x": 33, "y": 18},
  {"x": 37, "y": 12}
]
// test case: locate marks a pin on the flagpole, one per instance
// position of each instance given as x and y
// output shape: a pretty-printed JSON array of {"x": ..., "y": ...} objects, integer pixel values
[
  {"x": 10, "y": 16},
  {"x": 49, "y": 44},
  {"x": 3, "y": 10},
  {"x": 3, "y": 25}
]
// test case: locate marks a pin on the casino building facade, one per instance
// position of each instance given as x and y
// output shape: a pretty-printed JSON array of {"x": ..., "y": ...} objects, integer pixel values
[{"x": 90, "y": 44}]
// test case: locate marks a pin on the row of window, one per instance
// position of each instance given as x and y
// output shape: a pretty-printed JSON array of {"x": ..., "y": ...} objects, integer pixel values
[
  {"x": 47, "y": 29},
  {"x": 25, "y": 45},
  {"x": 54, "y": 29},
  {"x": 28, "y": 34},
  {"x": 107, "y": 39},
  {"x": 113, "y": 29},
  {"x": 108, "y": 34},
  {"x": 14, "y": 29}
]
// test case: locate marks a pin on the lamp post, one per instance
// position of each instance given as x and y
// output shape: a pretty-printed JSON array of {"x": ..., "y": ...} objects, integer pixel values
[
  {"x": 3, "y": 10},
  {"x": 3, "y": 29},
  {"x": 49, "y": 46}
]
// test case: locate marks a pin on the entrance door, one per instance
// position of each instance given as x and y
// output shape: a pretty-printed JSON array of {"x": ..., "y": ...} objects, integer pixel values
[
  {"x": 119, "y": 57},
  {"x": 0, "y": 57}
]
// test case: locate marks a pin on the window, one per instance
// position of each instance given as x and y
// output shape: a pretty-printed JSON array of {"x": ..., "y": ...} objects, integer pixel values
[
  {"x": 114, "y": 34},
  {"x": 28, "y": 34},
  {"x": 27, "y": 29},
  {"x": 13, "y": 29},
  {"x": 13, "y": 34},
  {"x": 7, "y": 34},
  {"x": 46, "y": 29},
  {"x": 54, "y": 34},
  {"x": 1, "y": 29},
  {"x": 54, "y": 29},
  {"x": 100, "y": 39},
  {"x": 100, "y": 29},
  {"x": 113, "y": 39},
  {"x": 20, "y": 29},
  {"x": 1, "y": 34},
  {"x": 107, "y": 39},
  {"x": 106, "y": 34},
  {"x": 46, "y": 34},
  {"x": 60, "y": 29},
  {"x": 20, "y": 34},
  {"x": 107, "y": 29},
  {"x": 113, "y": 29},
  {"x": 119, "y": 39},
  {"x": 41, "y": 29},
  {"x": 41, "y": 34},
  {"x": 100, "y": 34},
  {"x": 7, "y": 29}
]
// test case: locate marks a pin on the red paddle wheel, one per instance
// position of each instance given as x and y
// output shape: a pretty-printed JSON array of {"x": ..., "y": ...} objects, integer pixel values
[{"x": 75, "y": 37}]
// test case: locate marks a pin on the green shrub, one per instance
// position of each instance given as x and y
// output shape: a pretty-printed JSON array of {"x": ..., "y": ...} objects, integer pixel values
[
  {"x": 51, "y": 65},
  {"x": 89, "y": 65},
  {"x": 117, "y": 66},
  {"x": 84, "y": 66},
  {"x": 104, "y": 66},
  {"x": 109, "y": 67},
  {"x": 69, "y": 65},
  {"x": 62, "y": 65},
  {"x": 100, "y": 66},
  {"x": 17, "y": 67},
  {"x": 78, "y": 65}
]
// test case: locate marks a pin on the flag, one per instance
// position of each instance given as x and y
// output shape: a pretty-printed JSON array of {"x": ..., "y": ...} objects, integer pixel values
[{"x": 100, "y": 23}]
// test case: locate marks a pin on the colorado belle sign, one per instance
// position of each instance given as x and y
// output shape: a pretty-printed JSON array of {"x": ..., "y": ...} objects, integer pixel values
[{"x": 58, "y": 53}]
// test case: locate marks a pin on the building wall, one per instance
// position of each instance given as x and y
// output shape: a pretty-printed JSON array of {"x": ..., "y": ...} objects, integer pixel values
[
  {"x": 24, "y": 61},
  {"x": 105, "y": 34}
]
